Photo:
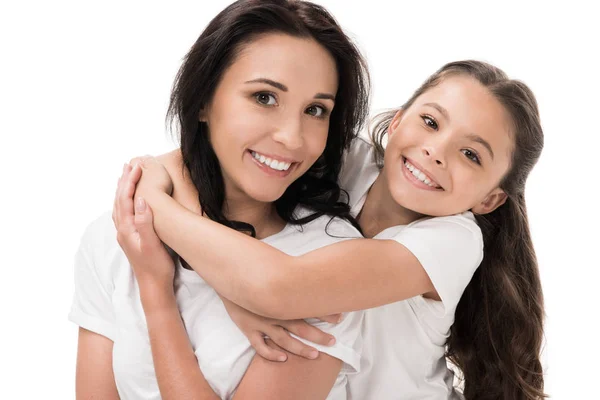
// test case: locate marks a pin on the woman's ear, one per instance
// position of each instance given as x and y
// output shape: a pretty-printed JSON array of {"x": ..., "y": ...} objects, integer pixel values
[
  {"x": 492, "y": 201},
  {"x": 203, "y": 115},
  {"x": 395, "y": 122}
]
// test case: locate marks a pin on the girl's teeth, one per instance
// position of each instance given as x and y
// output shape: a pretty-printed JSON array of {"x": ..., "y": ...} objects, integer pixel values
[{"x": 419, "y": 175}]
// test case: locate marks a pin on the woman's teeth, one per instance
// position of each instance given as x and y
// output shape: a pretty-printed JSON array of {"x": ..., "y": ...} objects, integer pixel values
[
  {"x": 420, "y": 175},
  {"x": 274, "y": 164}
]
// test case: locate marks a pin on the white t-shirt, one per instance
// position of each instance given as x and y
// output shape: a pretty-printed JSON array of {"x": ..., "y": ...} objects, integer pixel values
[
  {"x": 107, "y": 302},
  {"x": 404, "y": 342}
]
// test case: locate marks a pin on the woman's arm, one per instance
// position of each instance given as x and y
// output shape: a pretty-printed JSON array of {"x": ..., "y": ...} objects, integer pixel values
[
  {"x": 350, "y": 275},
  {"x": 177, "y": 370},
  {"x": 179, "y": 375},
  {"x": 94, "y": 374}
]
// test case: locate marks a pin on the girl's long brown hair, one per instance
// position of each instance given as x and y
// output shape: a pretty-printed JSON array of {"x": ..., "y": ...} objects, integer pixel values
[{"x": 497, "y": 333}]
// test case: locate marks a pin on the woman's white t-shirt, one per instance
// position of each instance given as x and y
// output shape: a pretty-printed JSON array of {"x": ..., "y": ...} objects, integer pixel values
[
  {"x": 107, "y": 302},
  {"x": 404, "y": 342}
]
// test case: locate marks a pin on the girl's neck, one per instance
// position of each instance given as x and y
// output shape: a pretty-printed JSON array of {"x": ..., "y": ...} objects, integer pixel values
[{"x": 381, "y": 211}]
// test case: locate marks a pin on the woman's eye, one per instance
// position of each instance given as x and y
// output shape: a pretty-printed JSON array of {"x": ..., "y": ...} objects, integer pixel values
[
  {"x": 265, "y": 98},
  {"x": 316, "y": 111},
  {"x": 430, "y": 122},
  {"x": 471, "y": 155}
]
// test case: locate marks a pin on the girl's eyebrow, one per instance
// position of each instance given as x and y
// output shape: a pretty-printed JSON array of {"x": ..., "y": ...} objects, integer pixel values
[
  {"x": 471, "y": 136},
  {"x": 441, "y": 109},
  {"x": 478, "y": 139},
  {"x": 284, "y": 88}
]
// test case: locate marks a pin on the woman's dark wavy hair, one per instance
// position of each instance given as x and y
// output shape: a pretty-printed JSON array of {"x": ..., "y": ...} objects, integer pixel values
[
  {"x": 215, "y": 50},
  {"x": 497, "y": 334}
]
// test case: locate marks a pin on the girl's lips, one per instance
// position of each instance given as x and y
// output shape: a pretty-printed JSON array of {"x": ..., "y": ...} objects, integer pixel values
[{"x": 413, "y": 179}]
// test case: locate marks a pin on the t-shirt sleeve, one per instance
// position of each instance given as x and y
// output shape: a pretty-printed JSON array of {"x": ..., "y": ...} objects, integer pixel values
[
  {"x": 348, "y": 340},
  {"x": 92, "y": 305},
  {"x": 449, "y": 249}
]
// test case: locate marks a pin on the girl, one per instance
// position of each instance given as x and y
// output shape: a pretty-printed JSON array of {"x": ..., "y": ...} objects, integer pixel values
[
  {"x": 452, "y": 183},
  {"x": 266, "y": 79}
]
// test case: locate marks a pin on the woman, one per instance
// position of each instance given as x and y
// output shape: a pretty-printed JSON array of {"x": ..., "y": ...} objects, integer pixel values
[
  {"x": 452, "y": 181},
  {"x": 267, "y": 99}
]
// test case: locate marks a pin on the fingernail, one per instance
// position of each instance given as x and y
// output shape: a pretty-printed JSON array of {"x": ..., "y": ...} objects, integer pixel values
[
  {"x": 124, "y": 167},
  {"x": 281, "y": 358},
  {"x": 331, "y": 341},
  {"x": 313, "y": 354},
  {"x": 140, "y": 204}
]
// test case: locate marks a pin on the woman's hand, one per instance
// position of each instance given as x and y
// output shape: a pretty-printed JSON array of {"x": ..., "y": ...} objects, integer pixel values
[
  {"x": 153, "y": 266},
  {"x": 256, "y": 327}
]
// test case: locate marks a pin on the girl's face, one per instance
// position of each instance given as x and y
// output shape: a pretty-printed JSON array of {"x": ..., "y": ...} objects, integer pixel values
[
  {"x": 269, "y": 117},
  {"x": 448, "y": 152}
]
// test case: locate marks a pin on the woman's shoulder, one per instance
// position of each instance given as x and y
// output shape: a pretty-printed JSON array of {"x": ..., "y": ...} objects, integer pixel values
[{"x": 99, "y": 252}]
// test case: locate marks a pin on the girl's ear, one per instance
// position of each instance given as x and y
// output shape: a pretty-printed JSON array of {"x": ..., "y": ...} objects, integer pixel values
[
  {"x": 395, "y": 122},
  {"x": 492, "y": 201}
]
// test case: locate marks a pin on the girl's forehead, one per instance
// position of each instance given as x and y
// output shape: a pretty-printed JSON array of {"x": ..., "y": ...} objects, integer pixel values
[{"x": 467, "y": 106}]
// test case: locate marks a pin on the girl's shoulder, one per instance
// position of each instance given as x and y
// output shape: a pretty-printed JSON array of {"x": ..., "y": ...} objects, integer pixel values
[{"x": 358, "y": 172}]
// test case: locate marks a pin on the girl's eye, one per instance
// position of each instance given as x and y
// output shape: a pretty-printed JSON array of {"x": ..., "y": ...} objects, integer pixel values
[
  {"x": 471, "y": 155},
  {"x": 316, "y": 111},
  {"x": 265, "y": 98},
  {"x": 430, "y": 122}
]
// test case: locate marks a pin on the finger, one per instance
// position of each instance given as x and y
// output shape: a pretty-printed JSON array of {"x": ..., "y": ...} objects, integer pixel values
[
  {"x": 332, "y": 319},
  {"x": 144, "y": 224},
  {"x": 117, "y": 206},
  {"x": 283, "y": 339},
  {"x": 306, "y": 331},
  {"x": 135, "y": 174},
  {"x": 124, "y": 206},
  {"x": 115, "y": 213},
  {"x": 262, "y": 349}
]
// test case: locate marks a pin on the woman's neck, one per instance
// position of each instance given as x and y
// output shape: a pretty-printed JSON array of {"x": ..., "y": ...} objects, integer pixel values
[
  {"x": 262, "y": 216},
  {"x": 238, "y": 207},
  {"x": 381, "y": 211}
]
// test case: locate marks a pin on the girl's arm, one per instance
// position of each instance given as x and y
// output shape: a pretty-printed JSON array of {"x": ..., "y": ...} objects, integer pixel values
[
  {"x": 177, "y": 370},
  {"x": 350, "y": 275},
  {"x": 94, "y": 374}
]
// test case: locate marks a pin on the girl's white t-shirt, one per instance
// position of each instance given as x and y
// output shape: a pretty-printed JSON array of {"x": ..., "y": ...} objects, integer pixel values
[
  {"x": 107, "y": 302},
  {"x": 404, "y": 342}
]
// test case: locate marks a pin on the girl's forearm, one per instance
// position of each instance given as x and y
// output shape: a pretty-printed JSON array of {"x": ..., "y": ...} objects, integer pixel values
[
  {"x": 204, "y": 243},
  {"x": 346, "y": 276},
  {"x": 177, "y": 371}
]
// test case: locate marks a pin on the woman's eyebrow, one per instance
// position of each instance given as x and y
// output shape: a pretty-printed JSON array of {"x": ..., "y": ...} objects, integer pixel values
[
  {"x": 283, "y": 88},
  {"x": 273, "y": 83}
]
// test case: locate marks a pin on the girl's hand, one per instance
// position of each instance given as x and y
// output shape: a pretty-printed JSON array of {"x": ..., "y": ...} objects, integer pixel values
[
  {"x": 256, "y": 327},
  {"x": 153, "y": 267},
  {"x": 154, "y": 176}
]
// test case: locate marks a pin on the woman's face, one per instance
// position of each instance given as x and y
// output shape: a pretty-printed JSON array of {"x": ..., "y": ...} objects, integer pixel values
[
  {"x": 269, "y": 117},
  {"x": 448, "y": 152}
]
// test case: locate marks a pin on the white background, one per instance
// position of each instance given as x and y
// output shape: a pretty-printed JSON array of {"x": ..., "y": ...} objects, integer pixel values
[{"x": 84, "y": 86}]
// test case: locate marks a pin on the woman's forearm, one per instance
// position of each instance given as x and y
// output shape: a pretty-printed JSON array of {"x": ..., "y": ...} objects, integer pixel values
[
  {"x": 346, "y": 276},
  {"x": 177, "y": 371}
]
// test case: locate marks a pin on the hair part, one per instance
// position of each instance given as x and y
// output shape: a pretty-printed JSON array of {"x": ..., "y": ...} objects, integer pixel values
[
  {"x": 215, "y": 50},
  {"x": 497, "y": 335}
]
